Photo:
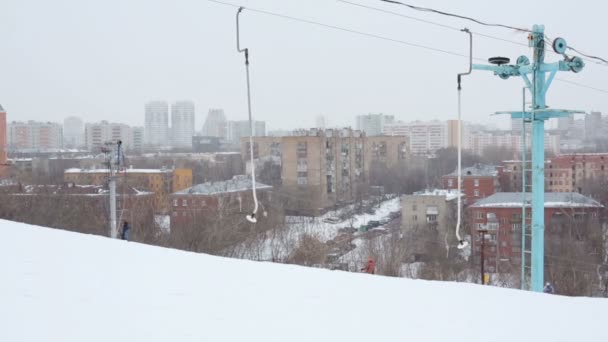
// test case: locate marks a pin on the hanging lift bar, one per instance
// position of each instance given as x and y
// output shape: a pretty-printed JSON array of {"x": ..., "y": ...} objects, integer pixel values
[
  {"x": 462, "y": 243},
  {"x": 252, "y": 217}
]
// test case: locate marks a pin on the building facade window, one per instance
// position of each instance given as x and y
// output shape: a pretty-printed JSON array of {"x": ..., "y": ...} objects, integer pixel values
[{"x": 476, "y": 182}]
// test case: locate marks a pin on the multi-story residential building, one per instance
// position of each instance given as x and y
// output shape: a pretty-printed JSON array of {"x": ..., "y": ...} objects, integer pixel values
[
  {"x": 73, "y": 132},
  {"x": 262, "y": 147},
  {"x": 137, "y": 139},
  {"x": 239, "y": 129},
  {"x": 478, "y": 181},
  {"x": 565, "y": 123},
  {"x": 387, "y": 151},
  {"x": 160, "y": 181},
  {"x": 3, "y": 142},
  {"x": 480, "y": 140},
  {"x": 321, "y": 168},
  {"x": 157, "y": 123},
  {"x": 182, "y": 123},
  {"x": 373, "y": 124},
  {"x": 215, "y": 124},
  {"x": 97, "y": 134},
  {"x": 215, "y": 198},
  {"x": 425, "y": 137},
  {"x": 328, "y": 165},
  {"x": 576, "y": 172},
  {"x": 34, "y": 136},
  {"x": 426, "y": 217},
  {"x": 501, "y": 215},
  {"x": 593, "y": 125},
  {"x": 452, "y": 131}
]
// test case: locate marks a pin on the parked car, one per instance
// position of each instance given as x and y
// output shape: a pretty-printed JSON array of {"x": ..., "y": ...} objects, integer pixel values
[
  {"x": 373, "y": 224},
  {"x": 332, "y": 220}
]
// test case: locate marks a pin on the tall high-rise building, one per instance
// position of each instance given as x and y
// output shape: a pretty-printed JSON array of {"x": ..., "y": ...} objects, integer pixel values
[
  {"x": 240, "y": 129},
  {"x": 157, "y": 123},
  {"x": 73, "y": 132},
  {"x": 34, "y": 136},
  {"x": 593, "y": 125},
  {"x": 215, "y": 124},
  {"x": 2, "y": 136},
  {"x": 97, "y": 134},
  {"x": 137, "y": 139},
  {"x": 182, "y": 123},
  {"x": 373, "y": 124},
  {"x": 565, "y": 123}
]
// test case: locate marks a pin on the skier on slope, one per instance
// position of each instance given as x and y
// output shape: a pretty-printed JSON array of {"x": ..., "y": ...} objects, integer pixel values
[
  {"x": 548, "y": 288},
  {"x": 370, "y": 267},
  {"x": 126, "y": 230}
]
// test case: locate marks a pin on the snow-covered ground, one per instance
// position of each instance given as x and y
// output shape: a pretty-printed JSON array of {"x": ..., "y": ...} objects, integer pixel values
[
  {"x": 63, "y": 286},
  {"x": 327, "y": 231},
  {"x": 278, "y": 245}
]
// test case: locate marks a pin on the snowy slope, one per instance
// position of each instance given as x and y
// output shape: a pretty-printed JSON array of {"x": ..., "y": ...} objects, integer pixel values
[{"x": 62, "y": 286}]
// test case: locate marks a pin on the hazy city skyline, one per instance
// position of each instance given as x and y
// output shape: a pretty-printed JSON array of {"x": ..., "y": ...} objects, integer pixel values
[{"x": 67, "y": 58}]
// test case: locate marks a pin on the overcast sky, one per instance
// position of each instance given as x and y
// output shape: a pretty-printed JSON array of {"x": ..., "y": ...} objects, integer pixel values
[{"x": 102, "y": 60}]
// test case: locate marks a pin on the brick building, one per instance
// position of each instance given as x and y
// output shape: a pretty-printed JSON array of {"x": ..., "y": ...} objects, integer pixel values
[
  {"x": 564, "y": 173},
  {"x": 215, "y": 198},
  {"x": 80, "y": 208},
  {"x": 478, "y": 181},
  {"x": 160, "y": 181},
  {"x": 570, "y": 172},
  {"x": 501, "y": 215}
]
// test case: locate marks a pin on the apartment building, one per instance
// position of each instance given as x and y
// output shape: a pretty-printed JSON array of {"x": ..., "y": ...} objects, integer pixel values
[
  {"x": 425, "y": 138},
  {"x": 34, "y": 136},
  {"x": 97, "y": 134},
  {"x": 478, "y": 181},
  {"x": 501, "y": 216}
]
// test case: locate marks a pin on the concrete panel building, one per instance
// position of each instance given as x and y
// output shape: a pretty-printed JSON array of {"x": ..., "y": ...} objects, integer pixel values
[
  {"x": 73, "y": 132},
  {"x": 182, "y": 124},
  {"x": 157, "y": 123}
]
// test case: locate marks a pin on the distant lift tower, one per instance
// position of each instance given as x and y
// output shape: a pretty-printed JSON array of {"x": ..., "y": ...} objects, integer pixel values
[{"x": 537, "y": 115}]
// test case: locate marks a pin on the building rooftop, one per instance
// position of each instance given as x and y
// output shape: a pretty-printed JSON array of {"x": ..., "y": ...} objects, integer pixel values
[
  {"x": 449, "y": 194},
  {"x": 77, "y": 170},
  {"x": 552, "y": 200},
  {"x": 477, "y": 170},
  {"x": 236, "y": 184}
]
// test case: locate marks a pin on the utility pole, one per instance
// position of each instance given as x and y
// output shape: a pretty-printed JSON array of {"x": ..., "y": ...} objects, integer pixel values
[
  {"x": 112, "y": 162},
  {"x": 539, "y": 113},
  {"x": 482, "y": 233}
]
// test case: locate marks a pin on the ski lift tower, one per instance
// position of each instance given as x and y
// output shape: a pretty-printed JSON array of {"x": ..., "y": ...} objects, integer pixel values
[{"x": 537, "y": 115}]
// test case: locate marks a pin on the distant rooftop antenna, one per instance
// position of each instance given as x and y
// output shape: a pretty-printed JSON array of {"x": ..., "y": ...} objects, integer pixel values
[{"x": 252, "y": 217}]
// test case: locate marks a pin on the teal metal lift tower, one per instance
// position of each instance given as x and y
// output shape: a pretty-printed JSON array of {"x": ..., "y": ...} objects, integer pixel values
[{"x": 538, "y": 113}]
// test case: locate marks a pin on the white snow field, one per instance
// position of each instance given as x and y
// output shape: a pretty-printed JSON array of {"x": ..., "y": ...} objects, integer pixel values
[{"x": 62, "y": 286}]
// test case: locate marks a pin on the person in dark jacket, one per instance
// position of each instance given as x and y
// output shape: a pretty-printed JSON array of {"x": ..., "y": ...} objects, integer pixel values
[
  {"x": 126, "y": 230},
  {"x": 548, "y": 288},
  {"x": 370, "y": 267}
]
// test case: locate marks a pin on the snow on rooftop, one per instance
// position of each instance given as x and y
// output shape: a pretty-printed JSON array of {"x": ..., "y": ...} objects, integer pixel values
[
  {"x": 478, "y": 170},
  {"x": 64, "y": 286},
  {"x": 552, "y": 200},
  {"x": 449, "y": 194},
  {"x": 237, "y": 183},
  {"x": 77, "y": 170}
]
